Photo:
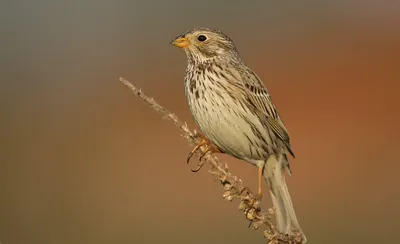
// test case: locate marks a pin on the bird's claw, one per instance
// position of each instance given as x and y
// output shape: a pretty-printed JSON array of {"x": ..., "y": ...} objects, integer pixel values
[
  {"x": 252, "y": 207},
  {"x": 199, "y": 165},
  {"x": 208, "y": 148}
]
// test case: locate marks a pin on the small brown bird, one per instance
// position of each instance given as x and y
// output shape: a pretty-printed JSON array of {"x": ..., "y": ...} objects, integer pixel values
[{"x": 234, "y": 111}]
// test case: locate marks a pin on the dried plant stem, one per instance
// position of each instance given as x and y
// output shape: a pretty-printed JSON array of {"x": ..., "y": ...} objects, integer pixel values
[{"x": 233, "y": 186}]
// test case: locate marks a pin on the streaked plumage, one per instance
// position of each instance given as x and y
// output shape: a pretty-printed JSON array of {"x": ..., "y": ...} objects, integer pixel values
[{"x": 235, "y": 112}]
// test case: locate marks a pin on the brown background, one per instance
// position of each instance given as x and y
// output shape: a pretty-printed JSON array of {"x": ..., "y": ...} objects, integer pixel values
[{"x": 83, "y": 161}]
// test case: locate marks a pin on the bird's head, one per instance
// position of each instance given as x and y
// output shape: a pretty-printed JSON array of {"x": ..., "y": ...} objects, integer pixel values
[{"x": 203, "y": 44}]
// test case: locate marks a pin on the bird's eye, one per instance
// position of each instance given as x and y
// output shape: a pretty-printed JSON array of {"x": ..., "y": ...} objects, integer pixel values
[{"x": 202, "y": 38}]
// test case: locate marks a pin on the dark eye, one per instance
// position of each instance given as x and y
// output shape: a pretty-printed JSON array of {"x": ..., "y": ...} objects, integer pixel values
[{"x": 202, "y": 38}]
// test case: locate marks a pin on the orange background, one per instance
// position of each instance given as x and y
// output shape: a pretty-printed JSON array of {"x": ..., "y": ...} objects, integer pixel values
[{"x": 84, "y": 161}]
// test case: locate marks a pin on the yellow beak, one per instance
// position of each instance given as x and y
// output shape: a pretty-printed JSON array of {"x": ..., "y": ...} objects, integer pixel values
[{"x": 181, "y": 42}]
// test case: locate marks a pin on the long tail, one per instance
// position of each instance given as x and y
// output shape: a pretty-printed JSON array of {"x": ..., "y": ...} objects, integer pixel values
[{"x": 286, "y": 219}]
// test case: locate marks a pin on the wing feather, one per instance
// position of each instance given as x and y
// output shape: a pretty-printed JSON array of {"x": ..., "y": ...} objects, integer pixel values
[{"x": 258, "y": 96}]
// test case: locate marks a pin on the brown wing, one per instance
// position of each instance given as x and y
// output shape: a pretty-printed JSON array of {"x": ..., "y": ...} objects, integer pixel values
[{"x": 258, "y": 96}]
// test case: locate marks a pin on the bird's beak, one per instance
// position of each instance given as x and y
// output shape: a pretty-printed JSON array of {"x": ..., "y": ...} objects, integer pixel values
[{"x": 181, "y": 42}]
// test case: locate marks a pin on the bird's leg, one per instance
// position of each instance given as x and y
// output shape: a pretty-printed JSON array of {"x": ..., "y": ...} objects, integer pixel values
[
  {"x": 253, "y": 202},
  {"x": 259, "y": 185},
  {"x": 260, "y": 176},
  {"x": 209, "y": 147}
]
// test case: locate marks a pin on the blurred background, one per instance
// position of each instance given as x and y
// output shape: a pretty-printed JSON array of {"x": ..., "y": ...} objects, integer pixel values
[{"x": 84, "y": 161}]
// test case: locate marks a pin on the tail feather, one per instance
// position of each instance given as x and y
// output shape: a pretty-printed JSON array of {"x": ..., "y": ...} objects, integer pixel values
[{"x": 286, "y": 220}]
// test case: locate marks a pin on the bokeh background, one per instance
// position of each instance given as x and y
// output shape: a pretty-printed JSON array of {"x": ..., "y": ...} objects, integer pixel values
[{"x": 84, "y": 161}]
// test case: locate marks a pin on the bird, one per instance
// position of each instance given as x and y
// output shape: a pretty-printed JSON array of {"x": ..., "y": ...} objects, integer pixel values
[{"x": 236, "y": 116}]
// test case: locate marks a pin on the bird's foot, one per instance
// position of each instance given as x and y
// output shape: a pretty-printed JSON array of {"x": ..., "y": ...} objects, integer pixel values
[
  {"x": 254, "y": 203},
  {"x": 252, "y": 206},
  {"x": 209, "y": 148}
]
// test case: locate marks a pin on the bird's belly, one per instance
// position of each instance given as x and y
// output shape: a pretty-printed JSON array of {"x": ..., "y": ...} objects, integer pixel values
[{"x": 226, "y": 125}]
